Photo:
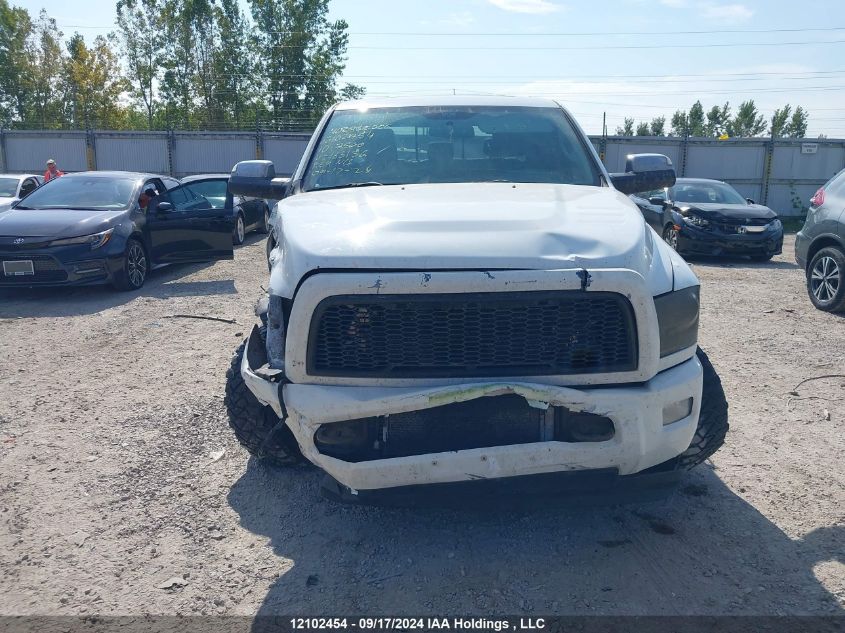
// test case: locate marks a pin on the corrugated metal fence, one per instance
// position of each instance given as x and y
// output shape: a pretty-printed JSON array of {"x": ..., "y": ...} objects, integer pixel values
[
  {"x": 781, "y": 173},
  {"x": 176, "y": 153}
]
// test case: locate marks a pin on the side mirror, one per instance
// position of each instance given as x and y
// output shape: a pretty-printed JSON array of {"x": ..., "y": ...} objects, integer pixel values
[
  {"x": 644, "y": 172},
  {"x": 750, "y": 201},
  {"x": 656, "y": 200},
  {"x": 164, "y": 207},
  {"x": 257, "y": 179}
]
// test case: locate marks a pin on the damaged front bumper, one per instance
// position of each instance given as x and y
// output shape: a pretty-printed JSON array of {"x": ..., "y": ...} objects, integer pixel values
[{"x": 643, "y": 436}]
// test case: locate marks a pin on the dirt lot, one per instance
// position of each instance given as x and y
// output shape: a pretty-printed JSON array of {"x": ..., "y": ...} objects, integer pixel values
[{"x": 111, "y": 420}]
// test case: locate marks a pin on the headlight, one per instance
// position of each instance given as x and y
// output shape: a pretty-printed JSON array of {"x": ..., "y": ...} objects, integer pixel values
[
  {"x": 95, "y": 241},
  {"x": 677, "y": 318},
  {"x": 696, "y": 220}
]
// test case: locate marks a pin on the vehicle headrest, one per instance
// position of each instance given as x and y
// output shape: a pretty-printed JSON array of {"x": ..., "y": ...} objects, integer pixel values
[
  {"x": 381, "y": 142},
  {"x": 440, "y": 152}
]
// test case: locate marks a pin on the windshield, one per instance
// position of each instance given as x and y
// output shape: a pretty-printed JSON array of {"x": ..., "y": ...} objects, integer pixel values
[
  {"x": 8, "y": 187},
  {"x": 706, "y": 192},
  {"x": 456, "y": 144},
  {"x": 83, "y": 192}
]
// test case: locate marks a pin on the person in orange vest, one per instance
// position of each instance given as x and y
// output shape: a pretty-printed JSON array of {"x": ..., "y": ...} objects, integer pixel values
[{"x": 52, "y": 171}]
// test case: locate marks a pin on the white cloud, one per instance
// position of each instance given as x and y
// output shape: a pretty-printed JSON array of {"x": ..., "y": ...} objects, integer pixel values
[
  {"x": 727, "y": 12},
  {"x": 526, "y": 6}
]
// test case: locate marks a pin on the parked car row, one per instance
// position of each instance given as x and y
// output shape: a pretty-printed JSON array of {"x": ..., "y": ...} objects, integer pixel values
[
  {"x": 695, "y": 217},
  {"x": 114, "y": 227},
  {"x": 698, "y": 217},
  {"x": 13, "y": 187}
]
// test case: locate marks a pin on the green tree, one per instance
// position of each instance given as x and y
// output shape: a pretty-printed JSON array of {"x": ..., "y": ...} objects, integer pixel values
[
  {"x": 658, "y": 126},
  {"x": 679, "y": 123},
  {"x": 691, "y": 123},
  {"x": 717, "y": 120},
  {"x": 798, "y": 124},
  {"x": 643, "y": 129},
  {"x": 16, "y": 29},
  {"x": 302, "y": 57},
  {"x": 696, "y": 120},
  {"x": 235, "y": 84},
  {"x": 350, "y": 92},
  {"x": 140, "y": 27},
  {"x": 47, "y": 105},
  {"x": 627, "y": 128},
  {"x": 94, "y": 84},
  {"x": 780, "y": 121},
  {"x": 748, "y": 121}
]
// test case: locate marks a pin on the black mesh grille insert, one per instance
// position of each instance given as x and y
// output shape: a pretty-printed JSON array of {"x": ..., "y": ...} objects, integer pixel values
[{"x": 482, "y": 334}]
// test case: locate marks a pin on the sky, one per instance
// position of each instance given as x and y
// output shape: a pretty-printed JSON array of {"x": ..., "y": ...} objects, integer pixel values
[{"x": 634, "y": 58}]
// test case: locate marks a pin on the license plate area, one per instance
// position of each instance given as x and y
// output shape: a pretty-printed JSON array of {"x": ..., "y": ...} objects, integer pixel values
[
  {"x": 753, "y": 229},
  {"x": 18, "y": 268}
]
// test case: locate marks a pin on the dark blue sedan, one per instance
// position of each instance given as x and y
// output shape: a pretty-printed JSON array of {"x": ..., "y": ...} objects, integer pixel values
[
  {"x": 109, "y": 227},
  {"x": 698, "y": 216}
]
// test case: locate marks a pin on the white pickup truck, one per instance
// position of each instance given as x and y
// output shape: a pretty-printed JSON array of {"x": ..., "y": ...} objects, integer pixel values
[{"x": 460, "y": 292}]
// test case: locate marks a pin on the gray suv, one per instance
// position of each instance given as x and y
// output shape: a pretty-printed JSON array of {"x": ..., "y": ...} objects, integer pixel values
[{"x": 820, "y": 246}]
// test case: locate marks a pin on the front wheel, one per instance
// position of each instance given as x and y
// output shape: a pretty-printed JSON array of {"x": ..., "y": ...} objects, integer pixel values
[
  {"x": 824, "y": 279},
  {"x": 239, "y": 234},
  {"x": 712, "y": 421},
  {"x": 265, "y": 224},
  {"x": 135, "y": 267},
  {"x": 256, "y": 426},
  {"x": 670, "y": 236}
]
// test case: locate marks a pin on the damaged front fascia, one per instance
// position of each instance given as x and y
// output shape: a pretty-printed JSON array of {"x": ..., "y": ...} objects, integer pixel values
[
  {"x": 276, "y": 333},
  {"x": 538, "y": 396}
]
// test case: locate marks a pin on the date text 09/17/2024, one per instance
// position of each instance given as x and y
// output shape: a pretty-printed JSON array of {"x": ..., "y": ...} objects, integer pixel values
[{"x": 422, "y": 624}]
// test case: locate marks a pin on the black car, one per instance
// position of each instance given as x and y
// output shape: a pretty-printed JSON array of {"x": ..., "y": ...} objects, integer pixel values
[
  {"x": 709, "y": 217},
  {"x": 820, "y": 246},
  {"x": 248, "y": 214},
  {"x": 109, "y": 227}
]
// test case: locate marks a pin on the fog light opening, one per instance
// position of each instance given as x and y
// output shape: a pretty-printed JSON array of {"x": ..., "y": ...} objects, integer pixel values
[
  {"x": 342, "y": 438},
  {"x": 677, "y": 411}
]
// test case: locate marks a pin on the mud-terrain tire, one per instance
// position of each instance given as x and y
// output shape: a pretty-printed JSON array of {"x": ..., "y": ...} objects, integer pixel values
[
  {"x": 713, "y": 420},
  {"x": 256, "y": 426}
]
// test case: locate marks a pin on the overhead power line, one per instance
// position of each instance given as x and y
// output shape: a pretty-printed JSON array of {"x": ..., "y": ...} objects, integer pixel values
[
  {"x": 583, "y": 48},
  {"x": 537, "y": 34}
]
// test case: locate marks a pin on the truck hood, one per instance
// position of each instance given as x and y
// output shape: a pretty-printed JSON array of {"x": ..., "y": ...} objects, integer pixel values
[{"x": 469, "y": 226}]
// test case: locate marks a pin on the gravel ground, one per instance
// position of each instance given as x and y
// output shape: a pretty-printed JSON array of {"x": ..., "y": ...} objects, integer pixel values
[{"x": 114, "y": 497}]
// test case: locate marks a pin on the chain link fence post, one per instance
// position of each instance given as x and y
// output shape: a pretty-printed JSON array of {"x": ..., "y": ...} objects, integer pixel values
[
  {"x": 90, "y": 150},
  {"x": 171, "y": 143},
  {"x": 4, "y": 167},
  {"x": 767, "y": 169},
  {"x": 259, "y": 143}
]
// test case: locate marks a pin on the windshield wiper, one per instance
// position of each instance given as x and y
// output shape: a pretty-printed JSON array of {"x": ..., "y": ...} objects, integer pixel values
[{"x": 372, "y": 183}]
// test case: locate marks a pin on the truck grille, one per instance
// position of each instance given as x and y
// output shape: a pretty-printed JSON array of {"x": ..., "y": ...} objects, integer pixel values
[{"x": 482, "y": 335}]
